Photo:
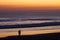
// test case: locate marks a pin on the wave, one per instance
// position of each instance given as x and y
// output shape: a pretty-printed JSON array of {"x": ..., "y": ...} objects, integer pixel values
[
  {"x": 25, "y": 19},
  {"x": 30, "y": 25},
  {"x": 23, "y": 23}
]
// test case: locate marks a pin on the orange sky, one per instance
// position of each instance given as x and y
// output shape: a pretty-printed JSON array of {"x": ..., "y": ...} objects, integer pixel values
[{"x": 49, "y": 4}]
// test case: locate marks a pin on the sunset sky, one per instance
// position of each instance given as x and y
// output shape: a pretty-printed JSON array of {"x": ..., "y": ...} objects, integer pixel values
[
  {"x": 20, "y": 7},
  {"x": 54, "y": 4},
  {"x": 28, "y": 9}
]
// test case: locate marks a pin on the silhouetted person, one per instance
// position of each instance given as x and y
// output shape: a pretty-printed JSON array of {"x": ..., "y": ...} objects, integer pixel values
[{"x": 19, "y": 34}]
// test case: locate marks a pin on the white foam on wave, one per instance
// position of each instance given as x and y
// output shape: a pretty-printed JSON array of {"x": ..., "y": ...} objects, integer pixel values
[{"x": 26, "y": 22}]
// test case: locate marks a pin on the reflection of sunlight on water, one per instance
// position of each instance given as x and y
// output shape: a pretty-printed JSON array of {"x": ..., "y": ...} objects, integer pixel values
[
  {"x": 39, "y": 32},
  {"x": 8, "y": 34},
  {"x": 30, "y": 29},
  {"x": 29, "y": 32}
]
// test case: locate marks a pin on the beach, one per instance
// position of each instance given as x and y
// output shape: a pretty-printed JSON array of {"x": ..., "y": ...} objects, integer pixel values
[{"x": 32, "y": 32}]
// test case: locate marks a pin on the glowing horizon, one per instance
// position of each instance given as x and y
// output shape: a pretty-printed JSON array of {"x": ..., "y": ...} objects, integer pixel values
[{"x": 52, "y": 4}]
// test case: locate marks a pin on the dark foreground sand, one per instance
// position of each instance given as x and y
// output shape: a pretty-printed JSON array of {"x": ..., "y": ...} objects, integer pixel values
[{"x": 49, "y": 36}]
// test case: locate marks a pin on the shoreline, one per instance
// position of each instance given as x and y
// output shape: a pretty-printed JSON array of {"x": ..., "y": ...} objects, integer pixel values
[{"x": 29, "y": 32}]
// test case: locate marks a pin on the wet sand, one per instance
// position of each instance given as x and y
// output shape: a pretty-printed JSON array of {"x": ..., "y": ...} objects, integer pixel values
[{"x": 29, "y": 32}]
